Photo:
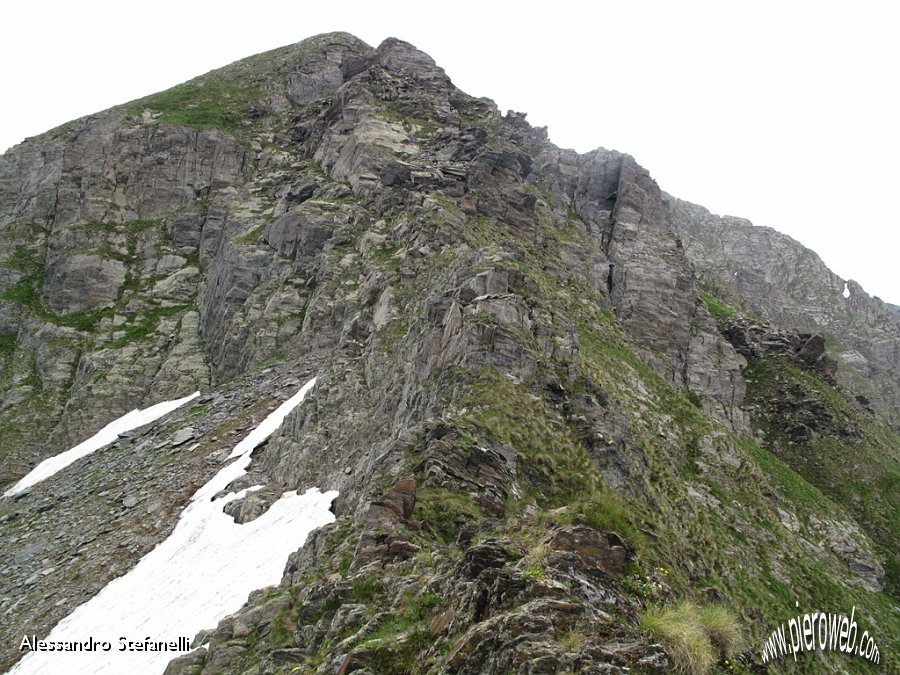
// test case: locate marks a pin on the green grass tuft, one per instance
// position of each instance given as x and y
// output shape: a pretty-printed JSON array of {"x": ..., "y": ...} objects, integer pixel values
[
  {"x": 8, "y": 344},
  {"x": 443, "y": 512},
  {"x": 722, "y": 628},
  {"x": 693, "y": 635},
  {"x": 251, "y": 237},
  {"x": 605, "y": 512},
  {"x": 365, "y": 590}
]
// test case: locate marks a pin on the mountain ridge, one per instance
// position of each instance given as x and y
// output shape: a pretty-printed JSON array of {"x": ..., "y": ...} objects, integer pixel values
[
  {"x": 788, "y": 284},
  {"x": 513, "y": 353}
]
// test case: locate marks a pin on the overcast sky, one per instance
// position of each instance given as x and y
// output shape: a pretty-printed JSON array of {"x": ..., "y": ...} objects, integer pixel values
[{"x": 785, "y": 113}]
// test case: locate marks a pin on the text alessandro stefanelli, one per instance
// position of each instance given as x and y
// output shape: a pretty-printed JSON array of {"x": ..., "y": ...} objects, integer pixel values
[{"x": 31, "y": 643}]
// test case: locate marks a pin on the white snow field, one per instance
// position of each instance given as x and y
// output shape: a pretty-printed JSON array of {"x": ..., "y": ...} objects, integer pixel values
[
  {"x": 204, "y": 571},
  {"x": 136, "y": 418}
]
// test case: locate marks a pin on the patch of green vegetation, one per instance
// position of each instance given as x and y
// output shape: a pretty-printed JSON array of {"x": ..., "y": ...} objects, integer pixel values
[
  {"x": 398, "y": 654},
  {"x": 315, "y": 167},
  {"x": 791, "y": 485},
  {"x": 386, "y": 256},
  {"x": 8, "y": 345},
  {"x": 605, "y": 512},
  {"x": 572, "y": 640},
  {"x": 27, "y": 292},
  {"x": 391, "y": 335},
  {"x": 365, "y": 589},
  {"x": 203, "y": 206},
  {"x": 535, "y": 573},
  {"x": 140, "y": 225},
  {"x": 396, "y": 643},
  {"x": 478, "y": 115},
  {"x": 282, "y": 627},
  {"x": 443, "y": 512},
  {"x": 719, "y": 310},
  {"x": 415, "y": 606},
  {"x": 330, "y": 605},
  {"x": 408, "y": 114},
  {"x": 608, "y": 351},
  {"x": 24, "y": 293},
  {"x": 573, "y": 217},
  {"x": 253, "y": 236},
  {"x": 145, "y": 325},
  {"x": 549, "y": 454},
  {"x": 84, "y": 321},
  {"x": 482, "y": 233},
  {"x": 694, "y": 399},
  {"x": 301, "y": 315},
  {"x": 693, "y": 635},
  {"x": 203, "y": 102},
  {"x": 192, "y": 259},
  {"x": 26, "y": 261},
  {"x": 196, "y": 412},
  {"x": 274, "y": 592},
  {"x": 277, "y": 357},
  {"x": 345, "y": 199},
  {"x": 847, "y": 456},
  {"x": 609, "y": 359}
]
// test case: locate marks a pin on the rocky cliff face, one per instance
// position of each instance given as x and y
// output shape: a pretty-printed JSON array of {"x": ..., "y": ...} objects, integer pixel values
[
  {"x": 515, "y": 361},
  {"x": 778, "y": 279}
]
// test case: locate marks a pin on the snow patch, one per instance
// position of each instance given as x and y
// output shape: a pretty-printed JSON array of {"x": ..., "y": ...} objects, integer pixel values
[
  {"x": 136, "y": 418},
  {"x": 201, "y": 573},
  {"x": 846, "y": 290}
]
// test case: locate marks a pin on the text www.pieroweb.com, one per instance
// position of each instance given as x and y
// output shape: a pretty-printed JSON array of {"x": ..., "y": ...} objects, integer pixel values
[{"x": 823, "y": 631}]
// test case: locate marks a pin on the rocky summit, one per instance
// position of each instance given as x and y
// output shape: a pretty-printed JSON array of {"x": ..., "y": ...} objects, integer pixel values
[{"x": 576, "y": 425}]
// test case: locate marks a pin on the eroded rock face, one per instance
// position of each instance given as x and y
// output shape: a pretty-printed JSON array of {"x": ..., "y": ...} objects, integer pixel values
[
  {"x": 82, "y": 282},
  {"x": 156, "y": 198},
  {"x": 489, "y": 610},
  {"x": 495, "y": 324},
  {"x": 789, "y": 285},
  {"x": 651, "y": 284}
]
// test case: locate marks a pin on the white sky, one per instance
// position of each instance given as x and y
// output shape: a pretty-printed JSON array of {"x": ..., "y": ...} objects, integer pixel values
[{"x": 786, "y": 113}]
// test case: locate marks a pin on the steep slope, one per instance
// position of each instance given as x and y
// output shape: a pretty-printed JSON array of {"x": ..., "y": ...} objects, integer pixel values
[
  {"x": 779, "y": 279},
  {"x": 532, "y": 418}
]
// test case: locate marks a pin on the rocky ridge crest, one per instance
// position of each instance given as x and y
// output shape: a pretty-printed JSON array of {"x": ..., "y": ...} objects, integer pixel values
[{"x": 526, "y": 401}]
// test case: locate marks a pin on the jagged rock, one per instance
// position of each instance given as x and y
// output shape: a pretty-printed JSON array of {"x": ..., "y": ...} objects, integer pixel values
[
  {"x": 591, "y": 549},
  {"x": 488, "y": 472},
  {"x": 179, "y": 287},
  {"x": 83, "y": 281},
  {"x": 498, "y": 327},
  {"x": 846, "y": 541},
  {"x": 812, "y": 349},
  {"x": 397, "y": 503},
  {"x": 482, "y": 557},
  {"x": 251, "y": 506},
  {"x": 183, "y": 435},
  {"x": 170, "y": 262},
  {"x": 789, "y": 285},
  {"x": 187, "y": 663}
]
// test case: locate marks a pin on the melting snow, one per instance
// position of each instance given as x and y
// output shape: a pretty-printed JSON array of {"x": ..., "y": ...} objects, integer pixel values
[
  {"x": 201, "y": 573},
  {"x": 846, "y": 290},
  {"x": 133, "y": 420}
]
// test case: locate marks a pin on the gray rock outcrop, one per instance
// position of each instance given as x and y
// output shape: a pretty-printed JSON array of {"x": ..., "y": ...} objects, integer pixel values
[
  {"x": 784, "y": 282},
  {"x": 521, "y": 389}
]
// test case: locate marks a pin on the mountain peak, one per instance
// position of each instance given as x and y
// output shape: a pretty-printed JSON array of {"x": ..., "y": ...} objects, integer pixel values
[{"x": 549, "y": 397}]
